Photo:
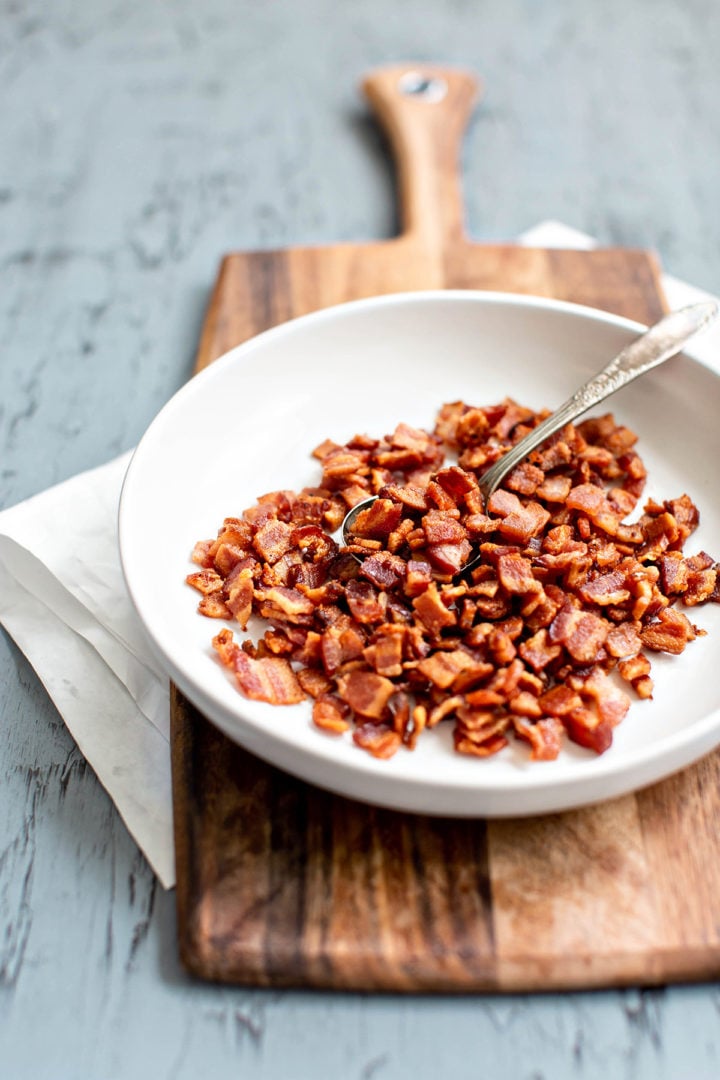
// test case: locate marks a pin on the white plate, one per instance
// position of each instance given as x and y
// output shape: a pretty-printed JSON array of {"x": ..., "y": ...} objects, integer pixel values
[{"x": 247, "y": 425}]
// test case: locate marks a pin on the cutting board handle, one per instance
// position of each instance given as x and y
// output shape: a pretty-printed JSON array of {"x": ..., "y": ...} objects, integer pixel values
[{"x": 424, "y": 110}]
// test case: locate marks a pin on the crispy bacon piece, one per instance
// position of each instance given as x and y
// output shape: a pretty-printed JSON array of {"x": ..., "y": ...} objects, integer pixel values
[
  {"x": 670, "y": 632},
  {"x": 330, "y": 714},
  {"x": 273, "y": 539},
  {"x": 544, "y": 736},
  {"x": 605, "y": 589},
  {"x": 515, "y": 574},
  {"x": 213, "y": 607},
  {"x": 385, "y": 654},
  {"x": 380, "y": 741},
  {"x": 206, "y": 582},
  {"x": 587, "y": 728},
  {"x": 581, "y": 632},
  {"x": 519, "y": 522},
  {"x": 314, "y": 682},
  {"x": 366, "y": 693},
  {"x": 432, "y": 612},
  {"x": 269, "y": 679},
  {"x": 443, "y": 668},
  {"x": 623, "y": 640},
  {"x": 378, "y": 520},
  {"x": 366, "y": 604}
]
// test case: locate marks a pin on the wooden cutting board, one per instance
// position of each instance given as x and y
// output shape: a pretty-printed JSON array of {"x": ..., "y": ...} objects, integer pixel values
[{"x": 280, "y": 883}]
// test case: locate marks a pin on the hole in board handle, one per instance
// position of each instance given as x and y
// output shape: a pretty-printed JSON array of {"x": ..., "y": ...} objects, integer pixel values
[{"x": 425, "y": 87}]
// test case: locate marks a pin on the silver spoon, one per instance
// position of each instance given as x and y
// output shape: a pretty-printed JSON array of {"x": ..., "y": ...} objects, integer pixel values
[{"x": 659, "y": 343}]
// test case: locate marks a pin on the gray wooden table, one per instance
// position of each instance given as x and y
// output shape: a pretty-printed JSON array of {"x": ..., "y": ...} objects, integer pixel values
[{"x": 139, "y": 142}]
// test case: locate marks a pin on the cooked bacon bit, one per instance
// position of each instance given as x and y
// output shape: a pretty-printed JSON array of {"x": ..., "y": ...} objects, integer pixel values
[
  {"x": 635, "y": 667},
  {"x": 380, "y": 741},
  {"x": 554, "y": 489},
  {"x": 366, "y": 604},
  {"x": 366, "y": 693},
  {"x": 201, "y": 553},
  {"x": 623, "y": 640},
  {"x": 457, "y": 482},
  {"x": 610, "y": 702},
  {"x": 605, "y": 589},
  {"x": 520, "y": 646},
  {"x": 314, "y": 682},
  {"x": 560, "y": 701},
  {"x": 525, "y": 704},
  {"x": 338, "y": 645},
  {"x": 412, "y": 497},
  {"x": 447, "y": 707},
  {"x": 582, "y": 633},
  {"x": 378, "y": 520},
  {"x": 519, "y": 522},
  {"x": 674, "y": 574},
  {"x": 471, "y": 427},
  {"x": 240, "y": 592},
  {"x": 670, "y": 632},
  {"x": 516, "y": 574},
  {"x": 418, "y": 723},
  {"x": 701, "y": 586},
  {"x": 442, "y": 668},
  {"x": 537, "y": 653},
  {"x": 206, "y": 581},
  {"x": 419, "y": 577},
  {"x": 432, "y": 611},
  {"x": 269, "y": 679},
  {"x": 385, "y": 570},
  {"x": 586, "y": 728},
  {"x": 440, "y": 528},
  {"x": 283, "y": 603},
  {"x": 214, "y": 608},
  {"x": 330, "y": 714},
  {"x": 525, "y": 479},
  {"x": 545, "y": 737},
  {"x": 385, "y": 653},
  {"x": 273, "y": 539}
]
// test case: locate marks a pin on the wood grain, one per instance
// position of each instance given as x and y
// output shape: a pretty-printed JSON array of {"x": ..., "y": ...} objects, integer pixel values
[{"x": 282, "y": 884}]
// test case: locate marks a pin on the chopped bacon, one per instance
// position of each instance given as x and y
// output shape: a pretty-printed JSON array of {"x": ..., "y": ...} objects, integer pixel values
[
  {"x": 670, "y": 632},
  {"x": 581, "y": 632},
  {"x": 432, "y": 611},
  {"x": 380, "y": 741},
  {"x": 442, "y": 668},
  {"x": 519, "y": 522},
  {"x": 544, "y": 736},
  {"x": 623, "y": 640},
  {"x": 330, "y": 714},
  {"x": 240, "y": 592},
  {"x": 269, "y": 679},
  {"x": 273, "y": 539},
  {"x": 385, "y": 654},
  {"x": 314, "y": 682},
  {"x": 366, "y": 604},
  {"x": 212, "y": 607},
  {"x": 564, "y": 590},
  {"x": 605, "y": 589},
  {"x": 536, "y": 652},
  {"x": 516, "y": 574},
  {"x": 206, "y": 582},
  {"x": 609, "y": 701},
  {"x": 366, "y": 693}
]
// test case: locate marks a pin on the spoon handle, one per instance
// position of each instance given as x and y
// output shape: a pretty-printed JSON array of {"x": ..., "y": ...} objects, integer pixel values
[{"x": 656, "y": 345}]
